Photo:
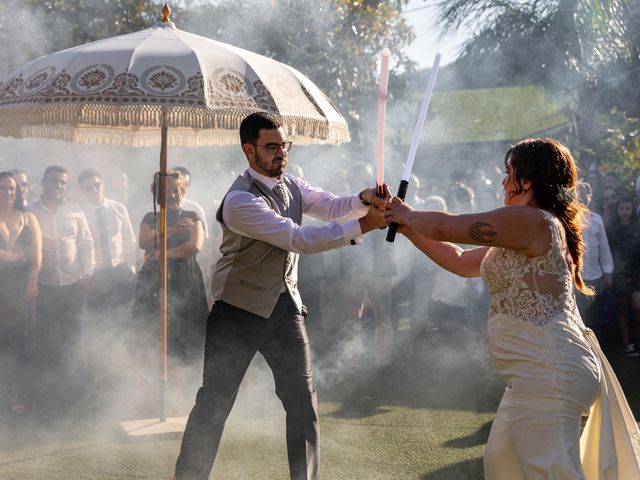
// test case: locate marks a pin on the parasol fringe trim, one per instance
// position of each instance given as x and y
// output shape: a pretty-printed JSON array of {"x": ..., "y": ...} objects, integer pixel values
[{"x": 137, "y": 126}]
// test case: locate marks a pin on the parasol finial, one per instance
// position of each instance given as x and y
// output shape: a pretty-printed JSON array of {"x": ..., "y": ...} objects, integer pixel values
[{"x": 166, "y": 11}]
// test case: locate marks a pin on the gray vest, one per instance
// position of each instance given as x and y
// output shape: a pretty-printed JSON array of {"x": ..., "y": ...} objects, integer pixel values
[{"x": 251, "y": 274}]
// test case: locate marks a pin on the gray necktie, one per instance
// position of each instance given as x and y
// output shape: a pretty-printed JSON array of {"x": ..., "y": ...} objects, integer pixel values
[
  {"x": 104, "y": 236},
  {"x": 281, "y": 191}
]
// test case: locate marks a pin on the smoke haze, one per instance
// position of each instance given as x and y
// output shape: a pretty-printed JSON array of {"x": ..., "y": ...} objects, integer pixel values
[{"x": 445, "y": 368}]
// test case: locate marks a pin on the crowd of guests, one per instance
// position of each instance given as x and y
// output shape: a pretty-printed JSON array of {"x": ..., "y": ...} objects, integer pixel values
[
  {"x": 65, "y": 266},
  {"x": 73, "y": 269},
  {"x": 612, "y": 260}
]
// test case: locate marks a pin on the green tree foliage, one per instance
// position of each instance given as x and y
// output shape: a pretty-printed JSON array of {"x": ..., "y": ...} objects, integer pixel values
[
  {"x": 336, "y": 43},
  {"x": 30, "y": 28},
  {"x": 585, "y": 52},
  {"x": 89, "y": 20}
]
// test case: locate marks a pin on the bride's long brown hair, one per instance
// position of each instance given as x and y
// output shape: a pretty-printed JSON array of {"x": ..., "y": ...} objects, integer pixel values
[{"x": 553, "y": 174}]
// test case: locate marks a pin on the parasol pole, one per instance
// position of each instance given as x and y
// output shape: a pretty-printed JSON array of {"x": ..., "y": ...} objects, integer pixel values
[
  {"x": 162, "y": 270},
  {"x": 162, "y": 256},
  {"x": 415, "y": 140},
  {"x": 161, "y": 426}
]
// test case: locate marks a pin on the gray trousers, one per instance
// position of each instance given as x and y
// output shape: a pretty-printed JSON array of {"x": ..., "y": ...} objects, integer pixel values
[{"x": 233, "y": 338}]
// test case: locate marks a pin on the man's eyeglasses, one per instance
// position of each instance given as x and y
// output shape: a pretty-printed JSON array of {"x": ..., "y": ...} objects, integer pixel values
[{"x": 274, "y": 147}]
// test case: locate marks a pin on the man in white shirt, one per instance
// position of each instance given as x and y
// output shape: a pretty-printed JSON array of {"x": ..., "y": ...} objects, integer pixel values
[
  {"x": 67, "y": 265},
  {"x": 257, "y": 304},
  {"x": 597, "y": 265},
  {"x": 114, "y": 241}
]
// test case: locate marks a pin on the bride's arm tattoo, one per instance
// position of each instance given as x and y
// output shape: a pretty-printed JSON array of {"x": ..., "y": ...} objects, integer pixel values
[{"x": 482, "y": 232}]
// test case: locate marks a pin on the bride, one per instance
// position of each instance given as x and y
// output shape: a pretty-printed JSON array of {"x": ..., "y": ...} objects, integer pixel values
[{"x": 530, "y": 255}]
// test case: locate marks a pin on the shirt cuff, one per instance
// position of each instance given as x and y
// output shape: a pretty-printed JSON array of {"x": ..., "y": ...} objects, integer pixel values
[
  {"x": 358, "y": 206},
  {"x": 352, "y": 232}
]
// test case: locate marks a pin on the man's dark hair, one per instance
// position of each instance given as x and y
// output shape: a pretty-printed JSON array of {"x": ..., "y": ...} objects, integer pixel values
[
  {"x": 88, "y": 173},
  {"x": 54, "y": 169},
  {"x": 251, "y": 126}
]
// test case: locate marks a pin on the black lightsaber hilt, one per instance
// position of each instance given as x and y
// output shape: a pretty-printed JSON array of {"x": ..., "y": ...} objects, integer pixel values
[
  {"x": 380, "y": 194},
  {"x": 402, "y": 193}
]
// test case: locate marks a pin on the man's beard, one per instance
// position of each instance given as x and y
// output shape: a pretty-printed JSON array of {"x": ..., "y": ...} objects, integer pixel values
[{"x": 275, "y": 170}]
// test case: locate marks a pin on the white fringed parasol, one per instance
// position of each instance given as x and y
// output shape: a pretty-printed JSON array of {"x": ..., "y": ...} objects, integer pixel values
[
  {"x": 123, "y": 90},
  {"x": 161, "y": 86}
]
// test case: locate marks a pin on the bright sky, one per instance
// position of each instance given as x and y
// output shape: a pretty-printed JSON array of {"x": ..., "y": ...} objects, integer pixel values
[{"x": 427, "y": 43}]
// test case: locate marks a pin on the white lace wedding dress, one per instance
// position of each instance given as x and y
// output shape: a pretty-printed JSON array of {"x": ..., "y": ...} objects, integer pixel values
[{"x": 555, "y": 373}]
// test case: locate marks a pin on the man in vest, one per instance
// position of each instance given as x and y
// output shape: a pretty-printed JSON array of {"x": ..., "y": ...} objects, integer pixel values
[{"x": 257, "y": 305}]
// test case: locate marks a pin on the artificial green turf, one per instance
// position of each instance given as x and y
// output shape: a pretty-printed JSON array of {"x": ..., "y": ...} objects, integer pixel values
[
  {"x": 394, "y": 443},
  {"x": 425, "y": 422}
]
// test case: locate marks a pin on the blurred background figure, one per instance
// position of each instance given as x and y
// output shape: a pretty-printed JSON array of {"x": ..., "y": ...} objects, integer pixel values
[
  {"x": 485, "y": 194},
  {"x": 110, "y": 292},
  {"x": 188, "y": 204},
  {"x": 295, "y": 170},
  {"x": 593, "y": 179},
  {"x": 436, "y": 202},
  {"x": 611, "y": 180},
  {"x": 23, "y": 184},
  {"x": 187, "y": 304},
  {"x": 608, "y": 207},
  {"x": 637, "y": 189},
  {"x": 329, "y": 269},
  {"x": 423, "y": 272},
  {"x": 20, "y": 257},
  {"x": 455, "y": 300},
  {"x": 114, "y": 243},
  {"x": 359, "y": 328},
  {"x": 418, "y": 189},
  {"x": 209, "y": 253},
  {"x": 461, "y": 198},
  {"x": 68, "y": 259},
  {"x": 118, "y": 186},
  {"x": 368, "y": 272},
  {"x": 597, "y": 266},
  {"x": 624, "y": 240},
  {"x": 312, "y": 283}
]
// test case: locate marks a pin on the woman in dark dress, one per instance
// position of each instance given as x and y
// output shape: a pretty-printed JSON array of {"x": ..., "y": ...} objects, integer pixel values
[
  {"x": 20, "y": 258},
  {"x": 187, "y": 305}
]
